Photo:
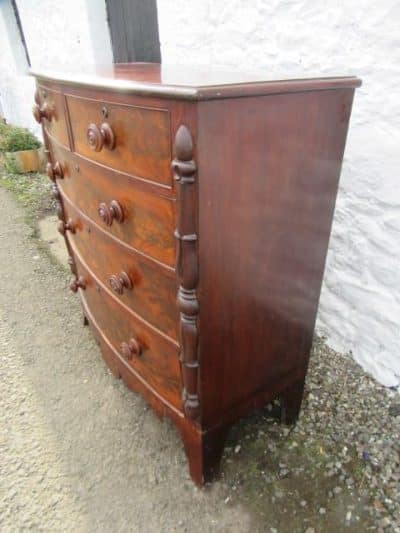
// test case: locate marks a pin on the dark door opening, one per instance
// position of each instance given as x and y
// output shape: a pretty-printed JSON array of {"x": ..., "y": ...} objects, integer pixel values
[{"x": 134, "y": 30}]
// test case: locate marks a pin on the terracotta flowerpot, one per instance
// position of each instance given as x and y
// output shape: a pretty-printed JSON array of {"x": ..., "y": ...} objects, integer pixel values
[{"x": 25, "y": 161}]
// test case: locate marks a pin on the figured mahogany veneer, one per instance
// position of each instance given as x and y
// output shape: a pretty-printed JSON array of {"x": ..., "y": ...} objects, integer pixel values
[
  {"x": 50, "y": 107},
  {"x": 152, "y": 293},
  {"x": 148, "y": 220},
  {"x": 132, "y": 139},
  {"x": 158, "y": 363},
  {"x": 196, "y": 209}
]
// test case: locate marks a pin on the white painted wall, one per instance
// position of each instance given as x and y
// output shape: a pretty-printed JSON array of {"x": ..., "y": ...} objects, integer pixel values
[
  {"x": 62, "y": 35},
  {"x": 360, "y": 301},
  {"x": 59, "y": 35},
  {"x": 16, "y": 90}
]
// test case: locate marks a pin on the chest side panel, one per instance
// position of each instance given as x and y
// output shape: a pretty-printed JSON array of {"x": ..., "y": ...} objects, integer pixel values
[{"x": 268, "y": 176}]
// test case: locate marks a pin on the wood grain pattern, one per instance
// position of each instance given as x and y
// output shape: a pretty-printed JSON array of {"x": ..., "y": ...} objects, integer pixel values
[
  {"x": 142, "y": 139},
  {"x": 153, "y": 292},
  {"x": 255, "y": 184},
  {"x": 263, "y": 240},
  {"x": 149, "y": 219},
  {"x": 56, "y": 125},
  {"x": 158, "y": 363},
  {"x": 187, "y": 267},
  {"x": 122, "y": 369},
  {"x": 193, "y": 82}
]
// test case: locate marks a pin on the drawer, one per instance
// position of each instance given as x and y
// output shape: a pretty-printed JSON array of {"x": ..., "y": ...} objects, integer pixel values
[
  {"x": 148, "y": 219},
  {"x": 52, "y": 105},
  {"x": 132, "y": 139},
  {"x": 147, "y": 288},
  {"x": 158, "y": 360}
]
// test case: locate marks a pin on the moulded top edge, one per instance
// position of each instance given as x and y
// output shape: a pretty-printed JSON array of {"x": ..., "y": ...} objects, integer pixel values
[{"x": 192, "y": 83}]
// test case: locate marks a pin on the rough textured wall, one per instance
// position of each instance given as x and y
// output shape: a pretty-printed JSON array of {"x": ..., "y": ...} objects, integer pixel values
[
  {"x": 360, "y": 301},
  {"x": 16, "y": 89},
  {"x": 59, "y": 35},
  {"x": 62, "y": 35}
]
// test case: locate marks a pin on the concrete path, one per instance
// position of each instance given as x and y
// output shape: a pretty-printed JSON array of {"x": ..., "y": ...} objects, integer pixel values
[{"x": 78, "y": 451}]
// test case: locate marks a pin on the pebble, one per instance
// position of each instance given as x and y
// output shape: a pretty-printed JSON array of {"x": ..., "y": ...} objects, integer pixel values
[
  {"x": 349, "y": 430},
  {"x": 385, "y": 522},
  {"x": 394, "y": 409}
]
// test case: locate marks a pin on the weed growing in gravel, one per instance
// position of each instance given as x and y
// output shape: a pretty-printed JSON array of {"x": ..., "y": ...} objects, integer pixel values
[{"x": 32, "y": 191}]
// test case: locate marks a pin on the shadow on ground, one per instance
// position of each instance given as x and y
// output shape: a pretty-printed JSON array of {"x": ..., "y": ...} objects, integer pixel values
[{"x": 80, "y": 452}]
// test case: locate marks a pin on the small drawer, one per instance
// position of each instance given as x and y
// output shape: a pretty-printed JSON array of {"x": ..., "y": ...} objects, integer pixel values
[
  {"x": 145, "y": 287},
  {"x": 150, "y": 354},
  {"x": 148, "y": 220},
  {"x": 50, "y": 109},
  {"x": 135, "y": 140}
]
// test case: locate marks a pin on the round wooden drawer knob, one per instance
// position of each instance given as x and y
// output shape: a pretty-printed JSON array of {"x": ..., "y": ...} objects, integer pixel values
[
  {"x": 98, "y": 137},
  {"x": 41, "y": 112},
  {"x": 77, "y": 283},
  {"x": 111, "y": 212},
  {"x": 55, "y": 171},
  {"x": 120, "y": 282},
  {"x": 131, "y": 348},
  {"x": 66, "y": 226}
]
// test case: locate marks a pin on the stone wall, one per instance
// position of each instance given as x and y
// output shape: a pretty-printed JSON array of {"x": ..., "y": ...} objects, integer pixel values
[
  {"x": 360, "y": 301},
  {"x": 59, "y": 36}
]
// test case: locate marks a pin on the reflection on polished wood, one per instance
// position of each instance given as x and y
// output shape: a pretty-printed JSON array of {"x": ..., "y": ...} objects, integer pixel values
[
  {"x": 196, "y": 208},
  {"x": 194, "y": 83}
]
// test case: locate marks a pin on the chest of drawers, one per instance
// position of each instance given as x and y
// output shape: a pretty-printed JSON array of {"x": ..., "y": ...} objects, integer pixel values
[{"x": 196, "y": 209}]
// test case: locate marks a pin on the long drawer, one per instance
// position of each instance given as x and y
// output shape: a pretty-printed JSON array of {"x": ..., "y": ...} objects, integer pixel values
[
  {"x": 148, "y": 220},
  {"x": 129, "y": 138},
  {"x": 146, "y": 287},
  {"x": 150, "y": 354},
  {"x": 120, "y": 368}
]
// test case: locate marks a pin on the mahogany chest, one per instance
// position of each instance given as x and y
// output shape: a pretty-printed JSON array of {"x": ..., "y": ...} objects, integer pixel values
[{"x": 196, "y": 208}]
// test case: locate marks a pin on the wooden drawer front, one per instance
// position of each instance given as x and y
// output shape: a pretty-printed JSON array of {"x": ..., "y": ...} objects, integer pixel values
[
  {"x": 149, "y": 220},
  {"x": 140, "y": 137},
  {"x": 158, "y": 362},
  {"x": 56, "y": 126},
  {"x": 149, "y": 289}
]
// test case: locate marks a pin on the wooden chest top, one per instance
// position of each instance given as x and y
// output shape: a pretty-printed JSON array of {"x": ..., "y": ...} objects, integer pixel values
[{"x": 193, "y": 83}]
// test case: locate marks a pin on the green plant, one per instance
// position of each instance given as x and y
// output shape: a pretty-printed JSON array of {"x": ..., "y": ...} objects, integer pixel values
[
  {"x": 15, "y": 139},
  {"x": 11, "y": 166},
  {"x": 3, "y": 127}
]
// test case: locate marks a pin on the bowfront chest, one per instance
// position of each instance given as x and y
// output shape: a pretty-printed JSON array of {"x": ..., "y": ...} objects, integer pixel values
[{"x": 196, "y": 209}]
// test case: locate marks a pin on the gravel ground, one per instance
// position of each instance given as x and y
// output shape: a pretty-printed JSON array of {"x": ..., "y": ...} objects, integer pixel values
[{"x": 79, "y": 452}]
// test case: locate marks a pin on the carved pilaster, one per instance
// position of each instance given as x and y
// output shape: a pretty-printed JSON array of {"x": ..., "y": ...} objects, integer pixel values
[{"x": 184, "y": 169}]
